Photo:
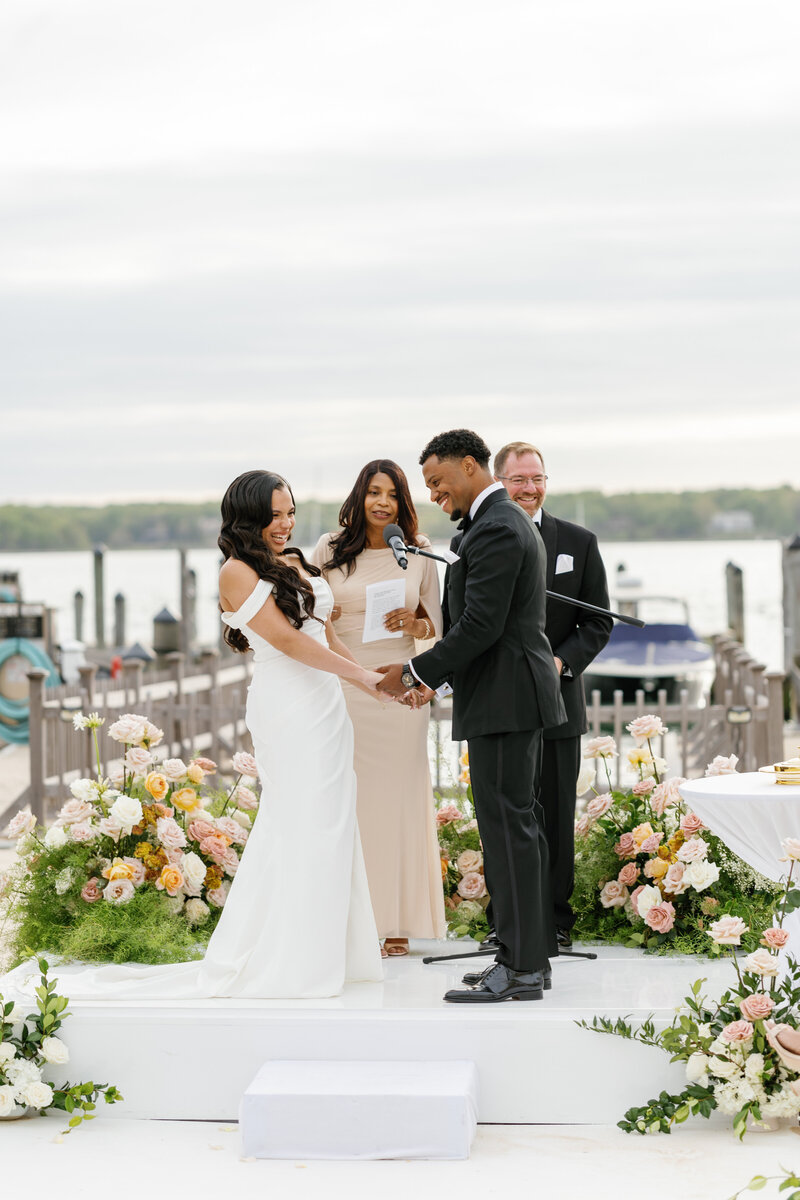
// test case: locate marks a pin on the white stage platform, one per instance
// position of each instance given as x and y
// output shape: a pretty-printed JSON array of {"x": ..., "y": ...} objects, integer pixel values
[{"x": 193, "y": 1061}]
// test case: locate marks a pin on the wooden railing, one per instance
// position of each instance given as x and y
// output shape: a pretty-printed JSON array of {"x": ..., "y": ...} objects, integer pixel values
[{"x": 202, "y": 712}]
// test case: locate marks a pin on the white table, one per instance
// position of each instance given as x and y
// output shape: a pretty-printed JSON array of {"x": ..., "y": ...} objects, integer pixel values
[{"x": 752, "y": 814}]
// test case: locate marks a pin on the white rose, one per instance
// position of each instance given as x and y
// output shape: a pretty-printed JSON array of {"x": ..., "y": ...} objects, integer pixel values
[
  {"x": 24, "y": 822},
  {"x": 55, "y": 837},
  {"x": 697, "y": 1068},
  {"x": 791, "y": 848},
  {"x": 129, "y": 729},
  {"x": 761, "y": 963},
  {"x": 585, "y": 779},
  {"x": 196, "y": 911},
  {"x": 600, "y": 747},
  {"x": 701, "y": 874},
  {"x": 7, "y": 1051},
  {"x": 722, "y": 766},
  {"x": 194, "y": 871},
  {"x": 38, "y": 1094},
  {"x": 754, "y": 1067},
  {"x": 126, "y": 812},
  {"x": 54, "y": 1051},
  {"x": 692, "y": 849},
  {"x": 174, "y": 769},
  {"x": 7, "y": 1099},
  {"x": 241, "y": 818},
  {"x": 723, "y": 1068},
  {"x": 21, "y": 1072},
  {"x": 647, "y": 897},
  {"x": 138, "y": 760},
  {"x": 85, "y": 790}
]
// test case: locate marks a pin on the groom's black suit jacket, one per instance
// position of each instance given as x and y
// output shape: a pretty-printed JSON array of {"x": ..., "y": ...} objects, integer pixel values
[{"x": 495, "y": 652}]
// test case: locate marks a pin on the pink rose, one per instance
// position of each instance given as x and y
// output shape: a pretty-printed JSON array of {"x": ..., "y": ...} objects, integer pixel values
[
  {"x": 206, "y": 764},
  {"x": 644, "y": 787},
  {"x": 137, "y": 866},
  {"x": 444, "y": 815},
  {"x": 230, "y": 861},
  {"x": 138, "y": 760},
  {"x": 75, "y": 812},
  {"x": 628, "y": 875},
  {"x": 737, "y": 1031},
  {"x": 245, "y": 764},
  {"x": 232, "y": 829},
  {"x": 776, "y": 939},
  {"x": 691, "y": 824},
  {"x": 170, "y": 833},
  {"x": 599, "y": 805},
  {"x": 666, "y": 794},
  {"x": 174, "y": 769},
  {"x": 613, "y": 895},
  {"x": 23, "y": 822},
  {"x": 174, "y": 853},
  {"x": 692, "y": 850},
  {"x": 756, "y": 1007},
  {"x": 661, "y": 917},
  {"x": 82, "y": 832},
  {"x": 600, "y": 747},
  {"x": 218, "y": 896},
  {"x": 215, "y": 847},
  {"x": 244, "y": 797},
  {"x": 91, "y": 890},
  {"x": 673, "y": 880},
  {"x": 199, "y": 830},
  {"x": 109, "y": 828},
  {"x": 472, "y": 886},
  {"x": 626, "y": 846},
  {"x": 583, "y": 825},
  {"x": 635, "y": 897},
  {"x": 643, "y": 728},
  {"x": 650, "y": 844},
  {"x": 785, "y": 1041},
  {"x": 722, "y": 766},
  {"x": 118, "y": 891},
  {"x": 727, "y": 931}
]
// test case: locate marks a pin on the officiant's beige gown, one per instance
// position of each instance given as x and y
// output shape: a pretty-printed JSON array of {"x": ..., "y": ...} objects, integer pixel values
[{"x": 396, "y": 813}]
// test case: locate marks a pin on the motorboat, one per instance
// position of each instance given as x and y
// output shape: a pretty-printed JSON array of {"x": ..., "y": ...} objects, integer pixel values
[{"x": 665, "y": 655}]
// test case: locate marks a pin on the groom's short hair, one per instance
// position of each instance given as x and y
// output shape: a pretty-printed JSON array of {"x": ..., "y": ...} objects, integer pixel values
[{"x": 457, "y": 443}]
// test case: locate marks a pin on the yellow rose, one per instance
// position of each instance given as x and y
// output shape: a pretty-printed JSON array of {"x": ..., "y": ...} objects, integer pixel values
[
  {"x": 186, "y": 799},
  {"x": 656, "y": 868},
  {"x": 118, "y": 870},
  {"x": 444, "y": 868},
  {"x": 464, "y": 759},
  {"x": 677, "y": 840},
  {"x": 156, "y": 785},
  {"x": 639, "y": 757},
  {"x": 642, "y": 832},
  {"x": 663, "y": 852},
  {"x": 170, "y": 879},
  {"x": 195, "y": 773}
]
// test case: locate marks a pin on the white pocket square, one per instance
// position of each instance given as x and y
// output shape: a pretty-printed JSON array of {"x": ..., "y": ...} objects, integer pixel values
[{"x": 563, "y": 564}]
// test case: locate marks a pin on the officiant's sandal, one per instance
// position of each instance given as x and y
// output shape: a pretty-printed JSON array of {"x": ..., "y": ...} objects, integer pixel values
[{"x": 395, "y": 947}]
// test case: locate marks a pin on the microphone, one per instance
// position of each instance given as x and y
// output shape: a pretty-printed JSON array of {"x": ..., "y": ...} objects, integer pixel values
[{"x": 393, "y": 536}]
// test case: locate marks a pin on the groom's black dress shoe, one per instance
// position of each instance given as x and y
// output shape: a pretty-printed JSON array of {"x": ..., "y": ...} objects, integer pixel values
[
  {"x": 564, "y": 939},
  {"x": 473, "y": 977},
  {"x": 501, "y": 983}
]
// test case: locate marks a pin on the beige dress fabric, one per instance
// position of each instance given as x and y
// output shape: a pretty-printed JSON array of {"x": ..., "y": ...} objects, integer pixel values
[{"x": 396, "y": 812}]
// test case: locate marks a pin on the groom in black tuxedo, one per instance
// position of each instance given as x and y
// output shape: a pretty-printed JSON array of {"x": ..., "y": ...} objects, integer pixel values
[{"x": 505, "y": 692}]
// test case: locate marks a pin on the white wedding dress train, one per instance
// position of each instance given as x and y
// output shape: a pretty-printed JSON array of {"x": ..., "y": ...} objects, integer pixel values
[{"x": 298, "y": 921}]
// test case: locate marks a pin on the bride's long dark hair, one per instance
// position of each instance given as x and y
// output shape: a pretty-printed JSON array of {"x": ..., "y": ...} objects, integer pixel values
[{"x": 246, "y": 510}]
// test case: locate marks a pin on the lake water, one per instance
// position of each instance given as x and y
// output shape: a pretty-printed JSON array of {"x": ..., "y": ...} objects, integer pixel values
[{"x": 149, "y": 580}]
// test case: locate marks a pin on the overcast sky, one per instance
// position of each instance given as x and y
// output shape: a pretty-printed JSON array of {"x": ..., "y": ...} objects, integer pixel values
[{"x": 302, "y": 234}]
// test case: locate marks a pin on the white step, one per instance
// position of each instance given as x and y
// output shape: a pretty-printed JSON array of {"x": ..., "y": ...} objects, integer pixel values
[{"x": 360, "y": 1110}]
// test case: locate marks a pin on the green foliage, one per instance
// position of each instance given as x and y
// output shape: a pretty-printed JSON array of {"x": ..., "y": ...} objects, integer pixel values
[{"x": 789, "y": 1179}]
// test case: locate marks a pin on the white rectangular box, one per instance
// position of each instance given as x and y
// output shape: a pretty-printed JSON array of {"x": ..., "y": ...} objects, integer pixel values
[{"x": 360, "y": 1110}]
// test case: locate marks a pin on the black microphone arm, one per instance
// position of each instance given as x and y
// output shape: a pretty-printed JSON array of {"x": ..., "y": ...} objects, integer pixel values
[{"x": 604, "y": 612}]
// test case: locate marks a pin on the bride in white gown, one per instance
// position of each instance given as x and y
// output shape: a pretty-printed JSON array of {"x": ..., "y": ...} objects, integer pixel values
[{"x": 298, "y": 921}]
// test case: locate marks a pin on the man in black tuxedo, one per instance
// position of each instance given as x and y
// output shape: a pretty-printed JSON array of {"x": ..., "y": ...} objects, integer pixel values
[
  {"x": 575, "y": 569},
  {"x": 505, "y": 692}
]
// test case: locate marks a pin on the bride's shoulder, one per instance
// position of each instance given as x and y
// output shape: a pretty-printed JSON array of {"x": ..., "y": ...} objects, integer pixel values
[{"x": 236, "y": 582}]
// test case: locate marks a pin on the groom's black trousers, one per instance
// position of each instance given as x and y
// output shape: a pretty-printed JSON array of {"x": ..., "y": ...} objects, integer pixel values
[{"x": 503, "y": 771}]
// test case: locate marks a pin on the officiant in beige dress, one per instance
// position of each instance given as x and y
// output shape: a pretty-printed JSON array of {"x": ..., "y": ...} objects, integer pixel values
[{"x": 396, "y": 813}]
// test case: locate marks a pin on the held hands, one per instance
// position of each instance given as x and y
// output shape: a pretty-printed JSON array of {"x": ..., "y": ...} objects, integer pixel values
[{"x": 392, "y": 685}]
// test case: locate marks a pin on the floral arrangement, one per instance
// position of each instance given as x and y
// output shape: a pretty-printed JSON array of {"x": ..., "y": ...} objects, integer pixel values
[
  {"x": 28, "y": 1045},
  {"x": 648, "y": 872},
  {"x": 465, "y": 894},
  {"x": 741, "y": 1052},
  {"x": 136, "y": 867}
]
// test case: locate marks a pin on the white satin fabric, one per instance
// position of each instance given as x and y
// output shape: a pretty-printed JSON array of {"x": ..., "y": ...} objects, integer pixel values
[{"x": 298, "y": 920}]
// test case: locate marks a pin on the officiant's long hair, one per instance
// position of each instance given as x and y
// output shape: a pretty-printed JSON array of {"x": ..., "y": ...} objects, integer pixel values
[
  {"x": 246, "y": 510},
  {"x": 347, "y": 545}
]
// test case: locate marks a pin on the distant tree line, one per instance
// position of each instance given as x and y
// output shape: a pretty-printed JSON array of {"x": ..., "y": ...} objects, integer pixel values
[{"x": 631, "y": 516}]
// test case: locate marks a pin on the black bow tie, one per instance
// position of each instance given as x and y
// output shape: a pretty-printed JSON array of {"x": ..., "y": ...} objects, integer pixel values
[{"x": 465, "y": 523}]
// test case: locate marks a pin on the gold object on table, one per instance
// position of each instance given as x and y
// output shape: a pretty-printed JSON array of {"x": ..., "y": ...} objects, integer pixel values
[{"x": 787, "y": 772}]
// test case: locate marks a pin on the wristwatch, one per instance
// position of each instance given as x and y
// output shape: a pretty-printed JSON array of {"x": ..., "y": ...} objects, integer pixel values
[{"x": 408, "y": 678}]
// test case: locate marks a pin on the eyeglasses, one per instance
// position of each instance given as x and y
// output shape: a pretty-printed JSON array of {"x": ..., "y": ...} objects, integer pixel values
[{"x": 538, "y": 481}]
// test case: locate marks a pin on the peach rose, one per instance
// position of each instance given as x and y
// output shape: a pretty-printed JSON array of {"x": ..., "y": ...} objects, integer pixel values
[
  {"x": 91, "y": 890},
  {"x": 469, "y": 861},
  {"x": 600, "y": 747},
  {"x": 785, "y": 1041},
  {"x": 245, "y": 764},
  {"x": 776, "y": 939},
  {"x": 118, "y": 891},
  {"x": 661, "y": 917},
  {"x": 206, "y": 764},
  {"x": 233, "y": 830},
  {"x": 137, "y": 759},
  {"x": 472, "y": 886},
  {"x": 583, "y": 825},
  {"x": 690, "y": 825},
  {"x": 137, "y": 866},
  {"x": 655, "y": 868},
  {"x": 761, "y": 962},
  {"x": 170, "y": 880},
  {"x": 218, "y": 896},
  {"x": 737, "y": 1031},
  {"x": 643, "y": 728},
  {"x": 626, "y": 846},
  {"x": 157, "y": 785},
  {"x": 230, "y": 861},
  {"x": 599, "y": 805},
  {"x": 244, "y": 797},
  {"x": 118, "y": 869},
  {"x": 644, "y": 787},
  {"x": 186, "y": 799},
  {"x": 651, "y": 843},
  {"x": 727, "y": 931},
  {"x": 614, "y": 894},
  {"x": 199, "y": 830},
  {"x": 195, "y": 773},
  {"x": 641, "y": 833},
  {"x": 756, "y": 1007},
  {"x": 214, "y": 847},
  {"x": 673, "y": 880},
  {"x": 75, "y": 812},
  {"x": 692, "y": 850},
  {"x": 445, "y": 814},
  {"x": 628, "y": 875}
]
